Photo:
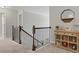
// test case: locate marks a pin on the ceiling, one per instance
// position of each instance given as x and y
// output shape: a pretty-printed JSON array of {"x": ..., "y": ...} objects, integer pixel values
[{"x": 43, "y": 10}]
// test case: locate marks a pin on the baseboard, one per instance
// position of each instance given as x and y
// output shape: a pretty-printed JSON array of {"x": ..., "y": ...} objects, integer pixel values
[
  {"x": 8, "y": 38},
  {"x": 5, "y": 38}
]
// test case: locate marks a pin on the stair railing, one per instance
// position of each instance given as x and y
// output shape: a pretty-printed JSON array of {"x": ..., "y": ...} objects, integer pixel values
[
  {"x": 34, "y": 39},
  {"x": 34, "y": 30},
  {"x": 33, "y": 47}
]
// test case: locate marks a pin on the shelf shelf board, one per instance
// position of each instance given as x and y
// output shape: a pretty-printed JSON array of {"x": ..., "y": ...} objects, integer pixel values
[
  {"x": 64, "y": 31},
  {"x": 66, "y": 48},
  {"x": 64, "y": 40},
  {"x": 58, "y": 39},
  {"x": 73, "y": 50},
  {"x": 73, "y": 42}
]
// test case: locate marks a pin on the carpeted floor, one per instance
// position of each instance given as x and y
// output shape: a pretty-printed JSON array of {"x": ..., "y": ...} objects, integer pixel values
[
  {"x": 51, "y": 49},
  {"x": 8, "y": 46}
]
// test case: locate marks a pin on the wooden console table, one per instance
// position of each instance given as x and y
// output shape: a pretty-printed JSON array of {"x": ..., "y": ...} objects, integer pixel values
[{"x": 68, "y": 40}]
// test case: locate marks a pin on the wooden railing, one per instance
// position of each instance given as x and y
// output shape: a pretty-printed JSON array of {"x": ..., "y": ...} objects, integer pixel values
[
  {"x": 42, "y": 27},
  {"x": 34, "y": 30},
  {"x": 20, "y": 42},
  {"x": 21, "y": 29},
  {"x": 12, "y": 32}
]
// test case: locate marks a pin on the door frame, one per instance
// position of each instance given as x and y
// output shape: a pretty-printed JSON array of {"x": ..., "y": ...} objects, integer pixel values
[
  {"x": 3, "y": 25},
  {"x": 20, "y": 13}
]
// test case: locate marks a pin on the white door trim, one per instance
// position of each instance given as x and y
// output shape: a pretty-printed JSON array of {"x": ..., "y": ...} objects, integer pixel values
[
  {"x": 3, "y": 25},
  {"x": 20, "y": 13},
  {"x": 20, "y": 21}
]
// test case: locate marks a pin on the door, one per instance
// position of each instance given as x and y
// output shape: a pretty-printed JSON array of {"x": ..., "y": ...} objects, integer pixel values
[
  {"x": 2, "y": 25},
  {"x": 20, "y": 19},
  {"x": 26, "y": 40},
  {"x": 20, "y": 22}
]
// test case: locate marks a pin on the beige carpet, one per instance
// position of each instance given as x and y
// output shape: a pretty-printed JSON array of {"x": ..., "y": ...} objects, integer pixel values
[
  {"x": 8, "y": 46},
  {"x": 51, "y": 49}
]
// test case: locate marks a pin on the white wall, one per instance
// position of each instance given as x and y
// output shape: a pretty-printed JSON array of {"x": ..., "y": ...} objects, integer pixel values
[
  {"x": 55, "y": 20},
  {"x": 42, "y": 10},
  {"x": 11, "y": 19},
  {"x": 30, "y": 19}
]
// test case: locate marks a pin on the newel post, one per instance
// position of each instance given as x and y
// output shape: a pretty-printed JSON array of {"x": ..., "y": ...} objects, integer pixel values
[
  {"x": 33, "y": 46},
  {"x": 19, "y": 34},
  {"x": 12, "y": 32}
]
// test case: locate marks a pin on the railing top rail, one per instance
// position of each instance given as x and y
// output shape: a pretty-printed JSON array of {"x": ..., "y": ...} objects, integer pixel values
[{"x": 43, "y": 28}]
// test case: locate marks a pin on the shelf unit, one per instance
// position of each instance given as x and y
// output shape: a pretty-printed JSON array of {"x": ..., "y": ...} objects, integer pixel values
[{"x": 68, "y": 40}]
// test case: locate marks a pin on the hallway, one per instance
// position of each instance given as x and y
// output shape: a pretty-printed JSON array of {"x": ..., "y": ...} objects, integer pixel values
[{"x": 31, "y": 28}]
